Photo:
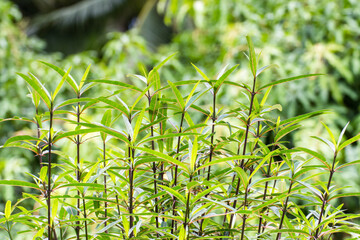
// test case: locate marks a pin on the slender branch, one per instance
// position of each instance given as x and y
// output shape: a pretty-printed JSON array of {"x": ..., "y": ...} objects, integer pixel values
[
  {"x": 253, "y": 93},
  {"x": 173, "y": 224},
  {"x": 284, "y": 210},
  {"x": 154, "y": 172},
  {"x": 105, "y": 186},
  {"x": 49, "y": 173},
  {"x": 326, "y": 195}
]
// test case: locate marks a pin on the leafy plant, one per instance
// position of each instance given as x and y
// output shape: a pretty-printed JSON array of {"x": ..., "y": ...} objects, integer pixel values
[{"x": 169, "y": 168}]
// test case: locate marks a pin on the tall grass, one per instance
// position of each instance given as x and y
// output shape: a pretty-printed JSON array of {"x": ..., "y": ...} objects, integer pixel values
[{"x": 163, "y": 172}]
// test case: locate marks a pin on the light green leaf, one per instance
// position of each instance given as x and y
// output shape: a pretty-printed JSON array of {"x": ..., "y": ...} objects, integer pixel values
[
  {"x": 177, "y": 93},
  {"x": 83, "y": 79},
  {"x": 243, "y": 176},
  {"x": 330, "y": 134},
  {"x": 174, "y": 193},
  {"x": 223, "y": 77},
  {"x": 316, "y": 155},
  {"x": 60, "y": 84},
  {"x": 288, "y": 80},
  {"x": 21, "y": 138},
  {"x": 34, "y": 83},
  {"x": 260, "y": 70},
  {"x": 164, "y": 61},
  {"x": 286, "y": 130},
  {"x": 116, "y": 83},
  {"x": 201, "y": 73},
  {"x": 167, "y": 158},
  {"x": 348, "y": 142},
  {"x": 8, "y": 209},
  {"x": 19, "y": 183},
  {"x": 138, "y": 124},
  {"x": 341, "y": 135},
  {"x": 252, "y": 56},
  {"x": 69, "y": 79}
]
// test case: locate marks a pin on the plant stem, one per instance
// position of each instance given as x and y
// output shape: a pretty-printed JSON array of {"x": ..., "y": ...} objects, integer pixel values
[
  {"x": 49, "y": 173},
  {"x": 284, "y": 211},
  {"x": 212, "y": 135},
  {"x": 105, "y": 187},
  {"x": 8, "y": 230},
  {"x": 173, "y": 224},
  {"x": 326, "y": 195},
  {"x": 213, "y": 118},
  {"x": 253, "y": 93},
  {"x": 187, "y": 211},
  {"x": 131, "y": 155},
  {"x": 154, "y": 172}
]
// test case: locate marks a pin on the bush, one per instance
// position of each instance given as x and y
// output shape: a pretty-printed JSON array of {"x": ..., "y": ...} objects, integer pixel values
[{"x": 169, "y": 168}]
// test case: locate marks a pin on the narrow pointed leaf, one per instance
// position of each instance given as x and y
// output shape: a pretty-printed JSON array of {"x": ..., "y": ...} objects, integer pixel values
[
  {"x": 174, "y": 193},
  {"x": 177, "y": 93},
  {"x": 201, "y": 73},
  {"x": 252, "y": 56},
  {"x": 84, "y": 77},
  {"x": 223, "y": 77},
  {"x": 60, "y": 84},
  {"x": 69, "y": 79},
  {"x": 288, "y": 80},
  {"x": 165, "y": 157}
]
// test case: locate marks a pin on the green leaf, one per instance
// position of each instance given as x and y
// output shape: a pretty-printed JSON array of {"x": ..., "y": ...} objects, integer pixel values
[
  {"x": 177, "y": 93},
  {"x": 43, "y": 173},
  {"x": 330, "y": 134},
  {"x": 316, "y": 155},
  {"x": 260, "y": 70},
  {"x": 243, "y": 176},
  {"x": 83, "y": 79},
  {"x": 21, "y": 138},
  {"x": 167, "y": 158},
  {"x": 288, "y": 80},
  {"x": 204, "y": 193},
  {"x": 266, "y": 95},
  {"x": 284, "y": 131},
  {"x": 348, "y": 142},
  {"x": 348, "y": 164},
  {"x": 174, "y": 193},
  {"x": 327, "y": 142},
  {"x": 60, "y": 84},
  {"x": 164, "y": 61},
  {"x": 193, "y": 148},
  {"x": 224, "y": 160},
  {"x": 201, "y": 73},
  {"x": 106, "y": 121},
  {"x": 223, "y": 77},
  {"x": 341, "y": 135},
  {"x": 266, "y": 158},
  {"x": 114, "y": 105},
  {"x": 34, "y": 83},
  {"x": 191, "y": 93},
  {"x": 128, "y": 126},
  {"x": 77, "y": 184},
  {"x": 116, "y": 83},
  {"x": 69, "y": 79},
  {"x": 154, "y": 79},
  {"x": 76, "y": 132},
  {"x": 19, "y": 183},
  {"x": 138, "y": 124},
  {"x": 252, "y": 56},
  {"x": 140, "y": 96},
  {"x": 8, "y": 209},
  {"x": 169, "y": 135}
]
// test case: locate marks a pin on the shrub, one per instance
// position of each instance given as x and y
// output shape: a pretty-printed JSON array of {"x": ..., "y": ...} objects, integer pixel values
[{"x": 168, "y": 168}]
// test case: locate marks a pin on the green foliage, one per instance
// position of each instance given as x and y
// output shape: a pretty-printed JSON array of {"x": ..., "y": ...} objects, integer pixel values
[{"x": 169, "y": 169}]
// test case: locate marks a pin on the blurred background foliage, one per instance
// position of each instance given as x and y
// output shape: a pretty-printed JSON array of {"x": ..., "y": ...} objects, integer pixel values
[{"x": 115, "y": 36}]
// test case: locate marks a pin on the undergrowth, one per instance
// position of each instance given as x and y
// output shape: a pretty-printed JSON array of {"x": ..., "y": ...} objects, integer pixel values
[{"x": 174, "y": 164}]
